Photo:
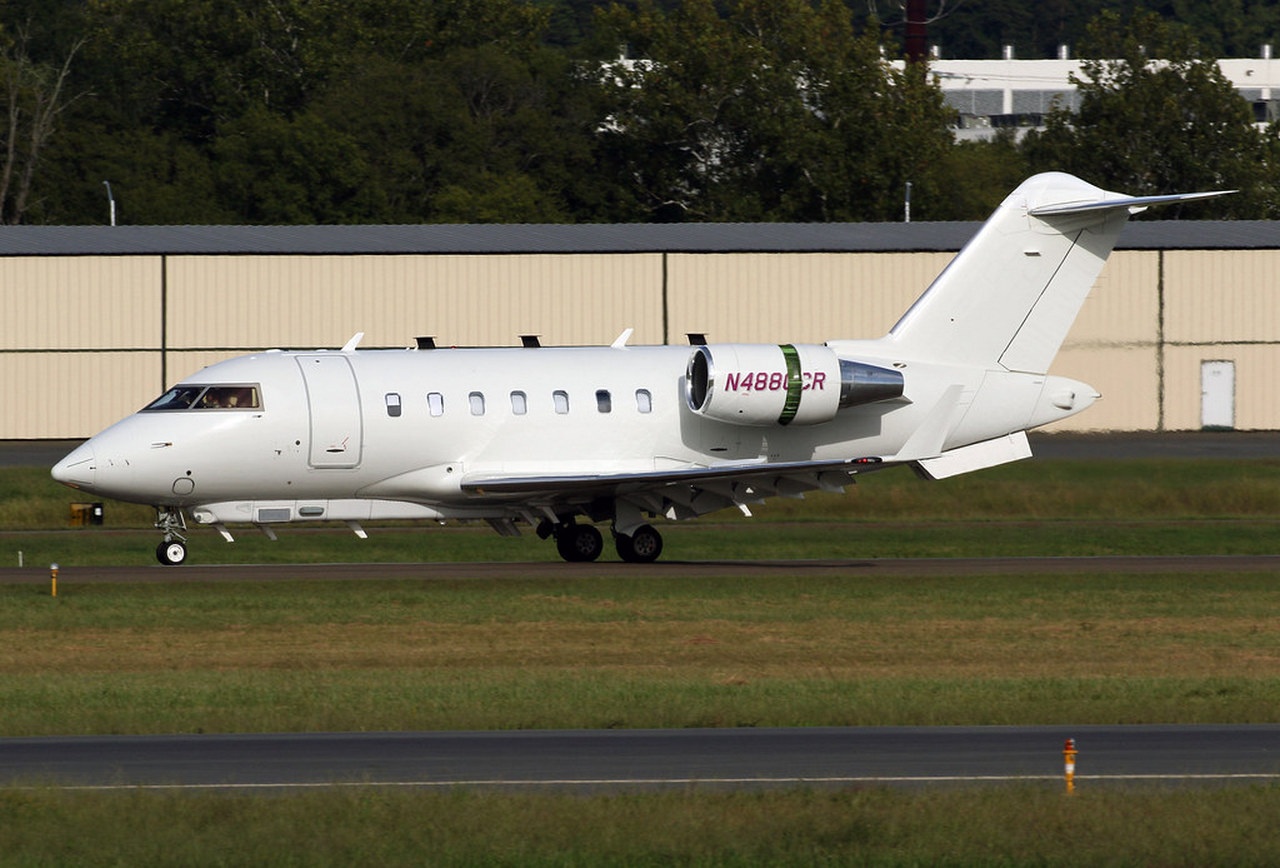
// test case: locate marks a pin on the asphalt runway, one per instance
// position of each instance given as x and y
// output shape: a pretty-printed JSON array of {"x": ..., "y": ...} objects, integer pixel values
[
  {"x": 618, "y": 760},
  {"x": 68, "y": 577}
]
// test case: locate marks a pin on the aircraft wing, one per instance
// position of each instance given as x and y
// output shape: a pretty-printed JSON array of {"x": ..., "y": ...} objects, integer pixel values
[
  {"x": 677, "y": 494},
  {"x": 689, "y": 492}
]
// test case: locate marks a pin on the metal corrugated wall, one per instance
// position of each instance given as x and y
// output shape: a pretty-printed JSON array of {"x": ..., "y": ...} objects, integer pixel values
[
  {"x": 799, "y": 297},
  {"x": 317, "y": 301},
  {"x": 90, "y": 339}
]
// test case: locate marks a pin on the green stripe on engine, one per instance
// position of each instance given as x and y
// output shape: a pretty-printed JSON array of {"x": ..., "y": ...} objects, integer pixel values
[{"x": 794, "y": 383}]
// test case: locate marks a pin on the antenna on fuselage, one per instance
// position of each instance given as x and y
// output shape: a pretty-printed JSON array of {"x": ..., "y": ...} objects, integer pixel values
[
  {"x": 530, "y": 342},
  {"x": 426, "y": 342}
]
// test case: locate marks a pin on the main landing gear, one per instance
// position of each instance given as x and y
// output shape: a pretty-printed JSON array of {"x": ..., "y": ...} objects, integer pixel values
[
  {"x": 581, "y": 543},
  {"x": 173, "y": 524},
  {"x": 642, "y": 547}
]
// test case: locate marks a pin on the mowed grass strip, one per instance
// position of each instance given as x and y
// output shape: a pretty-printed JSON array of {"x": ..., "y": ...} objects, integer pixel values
[
  {"x": 1035, "y": 489},
  {"x": 553, "y": 653},
  {"x": 1015, "y": 825},
  {"x": 1048, "y": 508},
  {"x": 757, "y": 539}
]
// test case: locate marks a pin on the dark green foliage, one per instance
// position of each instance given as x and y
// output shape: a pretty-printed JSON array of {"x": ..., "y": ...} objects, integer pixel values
[
  {"x": 1226, "y": 28},
  {"x": 391, "y": 111},
  {"x": 1155, "y": 116},
  {"x": 777, "y": 111}
]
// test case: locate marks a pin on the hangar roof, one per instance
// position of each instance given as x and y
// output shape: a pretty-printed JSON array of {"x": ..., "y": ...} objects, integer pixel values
[{"x": 587, "y": 238}]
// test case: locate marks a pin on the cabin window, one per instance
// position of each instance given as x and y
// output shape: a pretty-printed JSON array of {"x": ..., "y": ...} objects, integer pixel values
[
  {"x": 561, "y": 400},
  {"x": 519, "y": 403},
  {"x": 476, "y": 400},
  {"x": 604, "y": 401},
  {"x": 435, "y": 403},
  {"x": 393, "y": 404},
  {"x": 232, "y": 397},
  {"x": 644, "y": 401}
]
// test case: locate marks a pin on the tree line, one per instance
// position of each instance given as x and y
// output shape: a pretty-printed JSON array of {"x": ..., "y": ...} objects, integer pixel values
[{"x": 411, "y": 111}]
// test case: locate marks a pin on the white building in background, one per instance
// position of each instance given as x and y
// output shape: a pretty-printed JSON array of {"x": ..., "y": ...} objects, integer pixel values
[{"x": 993, "y": 94}]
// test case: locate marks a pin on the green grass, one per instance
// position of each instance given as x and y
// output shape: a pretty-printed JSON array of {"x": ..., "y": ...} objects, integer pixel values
[
  {"x": 994, "y": 826},
  {"x": 1026, "y": 490},
  {"x": 1046, "y": 508},
  {"x": 776, "y": 650},
  {"x": 693, "y": 541},
  {"x": 788, "y": 648}
]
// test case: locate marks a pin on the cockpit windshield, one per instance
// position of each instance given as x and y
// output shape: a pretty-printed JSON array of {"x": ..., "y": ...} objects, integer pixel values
[{"x": 235, "y": 397}]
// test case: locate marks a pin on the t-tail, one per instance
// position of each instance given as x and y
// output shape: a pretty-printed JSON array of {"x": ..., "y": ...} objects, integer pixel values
[
  {"x": 977, "y": 345},
  {"x": 1009, "y": 297}
]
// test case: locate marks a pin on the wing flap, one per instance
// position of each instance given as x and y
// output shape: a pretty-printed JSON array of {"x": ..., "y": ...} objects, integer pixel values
[
  {"x": 487, "y": 485},
  {"x": 677, "y": 494}
]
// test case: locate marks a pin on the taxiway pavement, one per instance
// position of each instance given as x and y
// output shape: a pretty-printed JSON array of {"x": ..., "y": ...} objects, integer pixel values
[
  {"x": 1180, "y": 564},
  {"x": 612, "y": 760}
]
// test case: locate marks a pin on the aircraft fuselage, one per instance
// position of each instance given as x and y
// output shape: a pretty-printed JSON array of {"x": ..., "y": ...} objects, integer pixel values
[{"x": 540, "y": 436}]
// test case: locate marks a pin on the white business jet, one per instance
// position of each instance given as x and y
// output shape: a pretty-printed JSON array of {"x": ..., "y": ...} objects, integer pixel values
[{"x": 545, "y": 437}]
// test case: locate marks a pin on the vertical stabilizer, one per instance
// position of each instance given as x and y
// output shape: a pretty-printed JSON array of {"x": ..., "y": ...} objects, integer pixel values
[{"x": 1009, "y": 297}]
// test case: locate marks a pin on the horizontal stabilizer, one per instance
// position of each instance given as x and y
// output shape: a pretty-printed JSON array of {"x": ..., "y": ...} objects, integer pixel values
[{"x": 1133, "y": 204}]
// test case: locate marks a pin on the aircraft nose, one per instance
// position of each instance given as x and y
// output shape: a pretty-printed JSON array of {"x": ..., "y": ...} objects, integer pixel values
[{"x": 77, "y": 469}]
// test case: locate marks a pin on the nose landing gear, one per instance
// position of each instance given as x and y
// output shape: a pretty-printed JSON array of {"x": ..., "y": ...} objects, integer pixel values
[{"x": 173, "y": 524}]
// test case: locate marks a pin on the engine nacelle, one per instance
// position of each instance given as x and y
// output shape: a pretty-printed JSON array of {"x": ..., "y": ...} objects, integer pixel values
[{"x": 764, "y": 384}]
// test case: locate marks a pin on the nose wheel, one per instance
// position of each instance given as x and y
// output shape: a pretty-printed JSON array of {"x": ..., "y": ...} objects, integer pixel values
[
  {"x": 173, "y": 549},
  {"x": 171, "y": 553}
]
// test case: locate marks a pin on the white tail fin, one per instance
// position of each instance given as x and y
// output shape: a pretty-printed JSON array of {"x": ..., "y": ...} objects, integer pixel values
[{"x": 1010, "y": 296}]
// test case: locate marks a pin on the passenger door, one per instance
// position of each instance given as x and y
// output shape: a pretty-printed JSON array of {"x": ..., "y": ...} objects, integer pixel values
[{"x": 337, "y": 434}]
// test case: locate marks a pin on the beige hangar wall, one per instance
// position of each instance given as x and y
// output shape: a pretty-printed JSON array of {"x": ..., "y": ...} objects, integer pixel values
[
  {"x": 1222, "y": 306},
  {"x": 90, "y": 339},
  {"x": 78, "y": 334},
  {"x": 321, "y": 301}
]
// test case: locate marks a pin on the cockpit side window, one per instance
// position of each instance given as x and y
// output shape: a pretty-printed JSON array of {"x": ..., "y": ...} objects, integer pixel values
[
  {"x": 241, "y": 396},
  {"x": 177, "y": 398}
]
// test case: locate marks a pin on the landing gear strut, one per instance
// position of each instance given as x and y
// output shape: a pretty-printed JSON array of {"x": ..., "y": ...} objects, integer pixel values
[{"x": 173, "y": 524}]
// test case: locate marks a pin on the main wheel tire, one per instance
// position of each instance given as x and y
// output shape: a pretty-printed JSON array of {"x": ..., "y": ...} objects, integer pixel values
[
  {"x": 171, "y": 553},
  {"x": 642, "y": 547},
  {"x": 579, "y": 543}
]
